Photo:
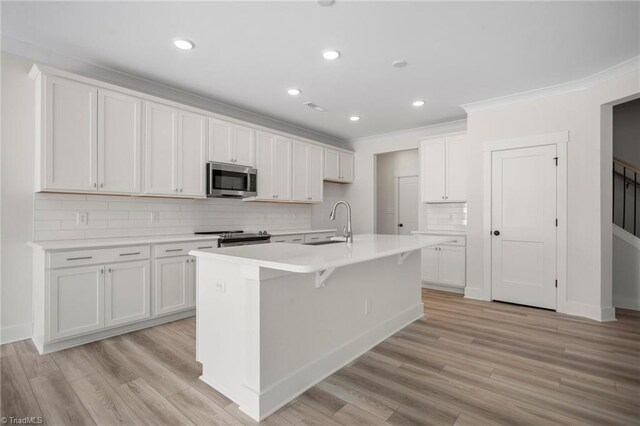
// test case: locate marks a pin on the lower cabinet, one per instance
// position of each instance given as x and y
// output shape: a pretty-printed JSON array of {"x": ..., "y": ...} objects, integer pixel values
[
  {"x": 127, "y": 292},
  {"x": 444, "y": 265},
  {"x": 175, "y": 279},
  {"x": 76, "y": 301}
]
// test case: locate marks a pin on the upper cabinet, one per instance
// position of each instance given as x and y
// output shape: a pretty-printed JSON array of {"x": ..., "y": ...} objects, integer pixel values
[
  {"x": 273, "y": 161},
  {"x": 307, "y": 172},
  {"x": 231, "y": 143},
  {"x": 338, "y": 166},
  {"x": 443, "y": 165},
  {"x": 175, "y": 157},
  {"x": 68, "y": 131}
]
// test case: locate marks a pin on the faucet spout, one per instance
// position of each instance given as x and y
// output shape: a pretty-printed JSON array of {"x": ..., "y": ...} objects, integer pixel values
[{"x": 348, "y": 232}]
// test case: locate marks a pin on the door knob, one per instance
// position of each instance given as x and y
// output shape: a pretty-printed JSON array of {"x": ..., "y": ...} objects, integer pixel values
[
  {"x": 400, "y": 225},
  {"x": 496, "y": 233}
]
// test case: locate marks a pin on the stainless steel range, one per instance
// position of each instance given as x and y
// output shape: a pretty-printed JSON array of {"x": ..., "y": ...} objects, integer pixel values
[{"x": 239, "y": 238}]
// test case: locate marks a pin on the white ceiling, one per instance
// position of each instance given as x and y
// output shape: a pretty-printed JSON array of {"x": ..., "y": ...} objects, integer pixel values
[{"x": 248, "y": 53}]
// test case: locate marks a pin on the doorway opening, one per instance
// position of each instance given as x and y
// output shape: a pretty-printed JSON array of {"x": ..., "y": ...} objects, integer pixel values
[{"x": 397, "y": 192}]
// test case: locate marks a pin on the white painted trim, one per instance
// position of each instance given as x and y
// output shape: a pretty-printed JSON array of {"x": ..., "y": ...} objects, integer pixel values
[
  {"x": 474, "y": 293},
  {"x": 442, "y": 287},
  {"x": 625, "y": 236},
  {"x": 626, "y": 303},
  {"x": 590, "y": 311},
  {"x": 306, "y": 377},
  {"x": 560, "y": 139},
  {"x": 558, "y": 89},
  {"x": 15, "y": 333}
]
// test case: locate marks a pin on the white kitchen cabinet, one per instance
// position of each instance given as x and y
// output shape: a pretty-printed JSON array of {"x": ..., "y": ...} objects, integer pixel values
[
  {"x": 443, "y": 165},
  {"x": 307, "y": 172},
  {"x": 231, "y": 143},
  {"x": 119, "y": 142},
  {"x": 273, "y": 161},
  {"x": 161, "y": 149},
  {"x": 67, "y": 158},
  {"x": 191, "y": 158},
  {"x": 445, "y": 264},
  {"x": 127, "y": 292},
  {"x": 173, "y": 284},
  {"x": 76, "y": 301},
  {"x": 338, "y": 166}
]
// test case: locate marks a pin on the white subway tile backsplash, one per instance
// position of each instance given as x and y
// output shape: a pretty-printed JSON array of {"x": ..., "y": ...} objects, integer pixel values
[
  {"x": 55, "y": 216},
  {"x": 445, "y": 216}
]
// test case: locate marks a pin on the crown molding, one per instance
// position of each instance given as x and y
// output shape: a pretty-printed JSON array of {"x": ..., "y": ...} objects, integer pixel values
[
  {"x": 421, "y": 132},
  {"x": 600, "y": 77}
]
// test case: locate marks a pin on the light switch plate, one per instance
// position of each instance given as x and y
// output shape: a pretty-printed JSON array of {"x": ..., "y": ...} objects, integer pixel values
[{"x": 82, "y": 218}]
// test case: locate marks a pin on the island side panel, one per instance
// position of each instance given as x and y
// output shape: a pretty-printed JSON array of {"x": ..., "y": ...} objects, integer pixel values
[{"x": 307, "y": 333}]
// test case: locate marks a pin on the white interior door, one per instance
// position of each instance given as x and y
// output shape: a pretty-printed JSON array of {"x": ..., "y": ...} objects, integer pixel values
[
  {"x": 407, "y": 205},
  {"x": 523, "y": 203}
]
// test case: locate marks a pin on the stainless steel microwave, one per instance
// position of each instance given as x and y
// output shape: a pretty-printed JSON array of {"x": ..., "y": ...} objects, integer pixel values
[{"x": 231, "y": 180}]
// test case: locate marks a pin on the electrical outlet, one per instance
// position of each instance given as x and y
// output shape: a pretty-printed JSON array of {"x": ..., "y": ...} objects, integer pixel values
[
  {"x": 155, "y": 217},
  {"x": 221, "y": 286},
  {"x": 82, "y": 218}
]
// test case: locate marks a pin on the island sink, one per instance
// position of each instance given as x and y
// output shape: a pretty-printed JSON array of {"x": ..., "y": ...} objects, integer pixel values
[{"x": 275, "y": 319}]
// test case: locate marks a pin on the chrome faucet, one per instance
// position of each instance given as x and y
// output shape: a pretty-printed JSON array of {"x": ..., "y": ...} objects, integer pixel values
[{"x": 347, "y": 232}]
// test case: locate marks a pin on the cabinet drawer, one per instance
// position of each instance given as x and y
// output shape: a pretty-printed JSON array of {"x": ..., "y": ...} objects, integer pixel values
[
  {"x": 95, "y": 256},
  {"x": 460, "y": 241},
  {"x": 311, "y": 238},
  {"x": 289, "y": 239},
  {"x": 181, "y": 249}
]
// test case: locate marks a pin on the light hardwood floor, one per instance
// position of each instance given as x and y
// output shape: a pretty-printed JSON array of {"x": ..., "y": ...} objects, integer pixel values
[{"x": 466, "y": 363}]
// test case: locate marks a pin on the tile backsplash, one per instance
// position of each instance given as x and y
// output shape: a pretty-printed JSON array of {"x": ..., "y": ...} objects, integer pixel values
[
  {"x": 445, "y": 216},
  {"x": 56, "y": 216}
]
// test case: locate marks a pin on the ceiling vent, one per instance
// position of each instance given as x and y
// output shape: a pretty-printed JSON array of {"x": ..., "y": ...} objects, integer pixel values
[{"x": 314, "y": 106}]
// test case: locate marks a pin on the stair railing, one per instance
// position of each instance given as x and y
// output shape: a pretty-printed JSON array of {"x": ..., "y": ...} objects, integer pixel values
[{"x": 627, "y": 181}]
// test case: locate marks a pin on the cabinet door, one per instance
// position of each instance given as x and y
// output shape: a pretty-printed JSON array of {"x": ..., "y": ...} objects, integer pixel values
[
  {"x": 70, "y": 159},
  {"x": 331, "y": 164},
  {"x": 192, "y": 144},
  {"x": 281, "y": 167},
  {"x": 346, "y": 167},
  {"x": 127, "y": 293},
  {"x": 451, "y": 266},
  {"x": 76, "y": 301},
  {"x": 171, "y": 284},
  {"x": 433, "y": 170},
  {"x": 264, "y": 143},
  {"x": 220, "y": 141},
  {"x": 456, "y": 169},
  {"x": 299, "y": 176},
  {"x": 430, "y": 264},
  {"x": 315, "y": 161},
  {"x": 245, "y": 146},
  {"x": 161, "y": 146},
  {"x": 119, "y": 142}
]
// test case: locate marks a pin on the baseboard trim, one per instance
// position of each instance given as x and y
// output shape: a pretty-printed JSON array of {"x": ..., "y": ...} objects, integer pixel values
[
  {"x": 474, "y": 293},
  {"x": 270, "y": 400},
  {"x": 443, "y": 287},
  {"x": 597, "y": 313},
  {"x": 45, "y": 348},
  {"x": 626, "y": 303},
  {"x": 16, "y": 333}
]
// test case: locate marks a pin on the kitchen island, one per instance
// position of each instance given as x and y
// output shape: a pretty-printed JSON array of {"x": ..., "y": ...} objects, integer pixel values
[{"x": 275, "y": 319}]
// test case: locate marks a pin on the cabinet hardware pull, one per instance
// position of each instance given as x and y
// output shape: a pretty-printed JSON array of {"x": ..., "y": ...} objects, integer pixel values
[
  {"x": 180, "y": 189},
  {"x": 204, "y": 247},
  {"x": 109, "y": 270},
  {"x": 315, "y": 238},
  {"x": 129, "y": 254},
  {"x": 95, "y": 184},
  {"x": 80, "y": 258},
  {"x": 297, "y": 239},
  {"x": 173, "y": 250},
  {"x": 101, "y": 271},
  {"x": 102, "y": 185}
]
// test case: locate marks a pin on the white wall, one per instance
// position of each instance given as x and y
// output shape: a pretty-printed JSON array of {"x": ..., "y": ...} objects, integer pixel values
[
  {"x": 589, "y": 183},
  {"x": 18, "y": 107},
  {"x": 626, "y": 270},
  {"x": 389, "y": 166}
]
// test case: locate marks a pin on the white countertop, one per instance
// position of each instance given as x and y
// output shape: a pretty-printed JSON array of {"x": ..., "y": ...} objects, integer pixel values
[
  {"x": 308, "y": 258},
  {"x": 462, "y": 233},
  {"x": 152, "y": 239}
]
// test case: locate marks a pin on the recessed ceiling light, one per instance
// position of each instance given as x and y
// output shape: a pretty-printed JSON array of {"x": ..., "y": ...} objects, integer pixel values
[
  {"x": 294, "y": 92},
  {"x": 331, "y": 55},
  {"x": 399, "y": 64},
  {"x": 418, "y": 103},
  {"x": 354, "y": 118},
  {"x": 184, "y": 44}
]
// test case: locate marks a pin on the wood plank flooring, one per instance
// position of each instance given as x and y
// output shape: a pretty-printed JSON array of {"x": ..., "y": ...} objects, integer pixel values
[{"x": 465, "y": 363}]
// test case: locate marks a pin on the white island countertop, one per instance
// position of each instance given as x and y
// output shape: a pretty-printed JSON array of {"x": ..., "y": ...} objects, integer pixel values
[{"x": 313, "y": 258}]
